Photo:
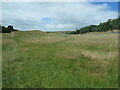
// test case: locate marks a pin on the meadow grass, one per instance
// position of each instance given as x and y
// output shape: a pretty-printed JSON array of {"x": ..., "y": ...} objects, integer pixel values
[{"x": 34, "y": 59}]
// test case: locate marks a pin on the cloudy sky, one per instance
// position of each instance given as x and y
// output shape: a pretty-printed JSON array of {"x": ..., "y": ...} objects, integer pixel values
[{"x": 56, "y": 16}]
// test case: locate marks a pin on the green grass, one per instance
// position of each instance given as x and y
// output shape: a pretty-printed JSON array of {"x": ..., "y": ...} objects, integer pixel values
[{"x": 34, "y": 59}]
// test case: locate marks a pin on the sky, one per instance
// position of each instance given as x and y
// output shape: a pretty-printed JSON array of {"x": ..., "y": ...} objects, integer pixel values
[{"x": 56, "y": 16}]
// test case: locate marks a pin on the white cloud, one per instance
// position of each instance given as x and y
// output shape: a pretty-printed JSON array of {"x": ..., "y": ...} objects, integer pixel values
[
  {"x": 60, "y": 0},
  {"x": 44, "y": 0},
  {"x": 63, "y": 16},
  {"x": 58, "y": 26}
]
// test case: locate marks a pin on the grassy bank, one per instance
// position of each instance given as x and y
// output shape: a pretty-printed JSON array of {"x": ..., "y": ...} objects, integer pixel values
[{"x": 57, "y": 60}]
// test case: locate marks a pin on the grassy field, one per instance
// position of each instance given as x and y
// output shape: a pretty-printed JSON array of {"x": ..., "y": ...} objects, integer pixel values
[{"x": 34, "y": 59}]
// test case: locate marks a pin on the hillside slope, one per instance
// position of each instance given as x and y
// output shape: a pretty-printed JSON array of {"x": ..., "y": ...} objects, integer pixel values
[
  {"x": 33, "y": 59},
  {"x": 111, "y": 24}
]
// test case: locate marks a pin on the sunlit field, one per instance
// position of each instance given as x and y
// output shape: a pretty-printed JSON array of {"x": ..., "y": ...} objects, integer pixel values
[{"x": 34, "y": 59}]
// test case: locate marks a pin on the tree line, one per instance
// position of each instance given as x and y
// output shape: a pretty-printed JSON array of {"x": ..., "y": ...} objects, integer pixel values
[
  {"x": 111, "y": 24},
  {"x": 8, "y": 29}
]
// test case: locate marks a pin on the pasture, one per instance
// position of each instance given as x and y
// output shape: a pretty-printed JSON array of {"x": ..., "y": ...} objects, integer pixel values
[{"x": 35, "y": 59}]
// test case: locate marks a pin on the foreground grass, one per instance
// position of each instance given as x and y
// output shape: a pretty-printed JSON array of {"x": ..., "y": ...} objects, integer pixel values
[{"x": 56, "y": 60}]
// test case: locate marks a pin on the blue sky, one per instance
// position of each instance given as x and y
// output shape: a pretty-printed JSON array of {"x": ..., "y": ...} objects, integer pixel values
[
  {"x": 113, "y": 5},
  {"x": 57, "y": 16}
]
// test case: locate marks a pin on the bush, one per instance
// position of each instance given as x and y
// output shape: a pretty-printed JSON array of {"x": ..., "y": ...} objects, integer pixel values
[{"x": 8, "y": 29}]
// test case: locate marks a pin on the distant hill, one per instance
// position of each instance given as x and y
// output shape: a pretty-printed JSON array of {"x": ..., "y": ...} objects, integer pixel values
[
  {"x": 8, "y": 29},
  {"x": 111, "y": 24}
]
